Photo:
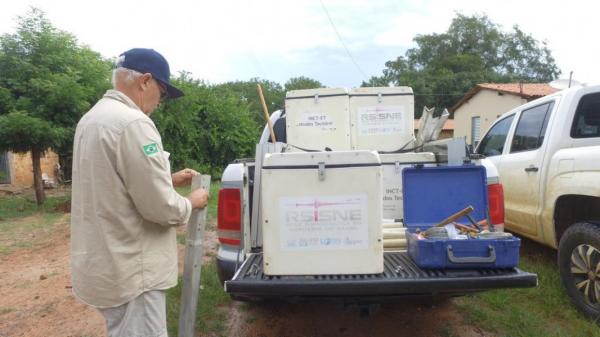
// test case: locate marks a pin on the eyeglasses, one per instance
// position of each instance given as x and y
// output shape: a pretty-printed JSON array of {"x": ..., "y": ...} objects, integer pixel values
[{"x": 162, "y": 89}]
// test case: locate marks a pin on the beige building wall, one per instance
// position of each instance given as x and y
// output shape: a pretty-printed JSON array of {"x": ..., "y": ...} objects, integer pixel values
[
  {"x": 486, "y": 104},
  {"x": 22, "y": 169}
]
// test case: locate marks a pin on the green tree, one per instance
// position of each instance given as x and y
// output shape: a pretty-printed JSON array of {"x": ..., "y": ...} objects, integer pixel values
[
  {"x": 246, "y": 93},
  {"x": 46, "y": 74},
  {"x": 22, "y": 133},
  {"x": 207, "y": 128},
  {"x": 443, "y": 67},
  {"x": 301, "y": 82}
]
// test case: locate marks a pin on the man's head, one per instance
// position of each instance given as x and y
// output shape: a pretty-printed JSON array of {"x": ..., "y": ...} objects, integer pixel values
[{"x": 143, "y": 75}]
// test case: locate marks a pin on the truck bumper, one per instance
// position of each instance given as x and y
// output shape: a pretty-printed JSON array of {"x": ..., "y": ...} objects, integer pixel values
[
  {"x": 401, "y": 277},
  {"x": 226, "y": 261}
]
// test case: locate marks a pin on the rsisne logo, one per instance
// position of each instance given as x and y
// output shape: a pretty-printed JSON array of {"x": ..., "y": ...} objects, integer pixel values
[
  {"x": 381, "y": 116},
  {"x": 380, "y": 120},
  {"x": 324, "y": 222},
  {"x": 296, "y": 211},
  {"x": 324, "y": 215}
]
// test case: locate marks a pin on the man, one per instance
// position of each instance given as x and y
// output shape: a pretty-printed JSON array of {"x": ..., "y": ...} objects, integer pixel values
[{"x": 124, "y": 206}]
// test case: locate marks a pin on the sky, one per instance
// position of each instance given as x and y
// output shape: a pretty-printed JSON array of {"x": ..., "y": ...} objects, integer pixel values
[{"x": 337, "y": 42}]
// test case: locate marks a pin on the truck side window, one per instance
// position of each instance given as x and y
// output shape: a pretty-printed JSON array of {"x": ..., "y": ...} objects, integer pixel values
[
  {"x": 586, "y": 123},
  {"x": 531, "y": 128},
  {"x": 493, "y": 142}
]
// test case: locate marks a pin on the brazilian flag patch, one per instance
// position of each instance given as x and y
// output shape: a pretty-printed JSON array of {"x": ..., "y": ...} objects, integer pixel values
[{"x": 150, "y": 149}]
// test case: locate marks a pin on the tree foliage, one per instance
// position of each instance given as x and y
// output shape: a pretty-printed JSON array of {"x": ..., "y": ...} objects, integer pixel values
[
  {"x": 47, "y": 74},
  {"x": 246, "y": 93},
  {"x": 51, "y": 81},
  {"x": 443, "y": 67},
  {"x": 207, "y": 128},
  {"x": 301, "y": 82},
  {"x": 21, "y": 133}
]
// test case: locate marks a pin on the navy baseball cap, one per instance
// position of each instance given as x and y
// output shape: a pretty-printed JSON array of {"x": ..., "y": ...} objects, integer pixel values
[{"x": 149, "y": 61}]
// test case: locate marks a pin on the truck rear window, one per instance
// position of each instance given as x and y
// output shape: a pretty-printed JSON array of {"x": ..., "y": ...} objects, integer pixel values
[
  {"x": 531, "y": 128},
  {"x": 586, "y": 123},
  {"x": 493, "y": 142}
]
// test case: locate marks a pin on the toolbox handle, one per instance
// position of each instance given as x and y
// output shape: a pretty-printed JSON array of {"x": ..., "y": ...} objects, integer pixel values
[{"x": 472, "y": 259}]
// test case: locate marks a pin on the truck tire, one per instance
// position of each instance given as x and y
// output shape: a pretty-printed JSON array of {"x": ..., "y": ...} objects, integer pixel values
[{"x": 579, "y": 266}]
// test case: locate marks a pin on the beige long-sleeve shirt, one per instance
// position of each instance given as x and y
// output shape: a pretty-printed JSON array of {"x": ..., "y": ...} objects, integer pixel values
[{"x": 123, "y": 206}]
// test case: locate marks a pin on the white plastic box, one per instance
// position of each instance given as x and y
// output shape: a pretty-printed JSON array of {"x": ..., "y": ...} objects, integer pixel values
[
  {"x": 318, "y": 118},
  {"x": 392, "y": 165},
  {"x": 322, "y": 213},
  {"x": 381, "y": 118}
]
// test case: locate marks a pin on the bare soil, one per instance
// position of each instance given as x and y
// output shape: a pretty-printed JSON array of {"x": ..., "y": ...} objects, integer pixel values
[
  {"x": 36, "y": 300},
  {"x": 329, "y": 320},
  {"x": 35, "y": 288}
]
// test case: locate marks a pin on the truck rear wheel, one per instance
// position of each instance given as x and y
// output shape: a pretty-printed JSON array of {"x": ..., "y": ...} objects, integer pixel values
[{"x": 579, "y": 265}]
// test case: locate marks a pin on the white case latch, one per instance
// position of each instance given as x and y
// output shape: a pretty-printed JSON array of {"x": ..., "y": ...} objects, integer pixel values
[{"x": 321, "y": 171}]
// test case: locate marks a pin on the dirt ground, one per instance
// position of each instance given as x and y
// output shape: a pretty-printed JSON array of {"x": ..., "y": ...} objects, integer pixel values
[
  {"x": 35, "y": 290},
  {"x": 36, "y": 301},
  {"x": 332, "y": 320}
]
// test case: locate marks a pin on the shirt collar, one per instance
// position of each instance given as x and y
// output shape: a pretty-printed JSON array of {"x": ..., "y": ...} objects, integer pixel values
[{"x": 121, "y": 97}]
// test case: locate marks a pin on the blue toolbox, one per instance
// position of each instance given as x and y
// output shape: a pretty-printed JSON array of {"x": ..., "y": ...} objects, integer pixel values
[{"x": 430, "y": 195}]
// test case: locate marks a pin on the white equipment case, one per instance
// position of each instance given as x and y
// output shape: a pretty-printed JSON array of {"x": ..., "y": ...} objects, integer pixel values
[
  {"x": 381, "y": 118},
  {"x": 318, "y": 118},
  {"x": 323, "y": 214},
  {"x": 392, "y": 165}
]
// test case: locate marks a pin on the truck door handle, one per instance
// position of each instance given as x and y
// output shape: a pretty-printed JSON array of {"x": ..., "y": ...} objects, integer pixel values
[{"x": 531, "y": 168}]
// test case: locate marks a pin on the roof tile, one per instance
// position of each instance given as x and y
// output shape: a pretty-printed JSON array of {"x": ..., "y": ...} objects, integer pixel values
[
  {"x": 528, "y": 91},
  {"x": 524, "y": 89}
]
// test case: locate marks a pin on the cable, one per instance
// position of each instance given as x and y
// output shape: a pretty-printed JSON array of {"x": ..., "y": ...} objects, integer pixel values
[
  {"x": 400, "y": 149},
  {"x": 342, "y": 41}
]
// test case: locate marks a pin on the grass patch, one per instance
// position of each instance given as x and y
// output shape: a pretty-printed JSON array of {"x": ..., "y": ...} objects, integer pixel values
[
  {"x": 181, "y": 238},
  {"x": 213, "y": 303},
  {"x": 28, "y": 224},
  {"x": 447, "y": 331},
  {"x": 542, "y": 311},
  {"x": 24, "y": 224},
  {"x": 26, "y": 232},
  {"x": 6, "y": 310},
  {"x": 20, "y": 206}
]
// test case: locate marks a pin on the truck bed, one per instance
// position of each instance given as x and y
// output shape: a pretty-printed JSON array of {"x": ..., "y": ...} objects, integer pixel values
[{"x": 401, "y": 277}]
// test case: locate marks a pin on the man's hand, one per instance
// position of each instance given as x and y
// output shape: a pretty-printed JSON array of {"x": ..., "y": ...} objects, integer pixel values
[
  {"x": 183, "y": 177},
  {"x": 199, "y": 198}
]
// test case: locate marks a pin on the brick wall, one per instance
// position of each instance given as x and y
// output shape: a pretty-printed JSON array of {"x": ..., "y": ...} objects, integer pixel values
[{"x": 22, "y": 169}]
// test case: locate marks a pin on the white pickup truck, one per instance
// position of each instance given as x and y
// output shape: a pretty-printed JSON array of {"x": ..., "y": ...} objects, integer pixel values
[
  {"x": 241, "y": 256},
  {"x": 548, "y": 155}
]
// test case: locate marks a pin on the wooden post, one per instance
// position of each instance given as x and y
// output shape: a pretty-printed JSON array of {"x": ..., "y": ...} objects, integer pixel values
[
  {"x": 266, "y": 112},
  {"x": 193, "y": 263}
]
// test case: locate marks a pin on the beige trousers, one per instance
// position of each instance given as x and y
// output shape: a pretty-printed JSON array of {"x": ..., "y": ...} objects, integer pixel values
[{"x": 144, "y": 316}]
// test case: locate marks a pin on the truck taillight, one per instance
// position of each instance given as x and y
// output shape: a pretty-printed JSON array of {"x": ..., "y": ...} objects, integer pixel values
[
  {"x": 229, "y": 217},
  {"x": 496, "y": 202}
]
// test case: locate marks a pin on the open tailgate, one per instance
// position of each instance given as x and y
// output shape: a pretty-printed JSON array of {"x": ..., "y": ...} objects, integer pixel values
[{"x": 401, "y": 277}]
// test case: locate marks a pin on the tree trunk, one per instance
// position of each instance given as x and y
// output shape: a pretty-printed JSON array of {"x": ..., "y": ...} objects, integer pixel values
[
  {"x": 37, "y": 176},
  {"x": 66, "y": 163}
]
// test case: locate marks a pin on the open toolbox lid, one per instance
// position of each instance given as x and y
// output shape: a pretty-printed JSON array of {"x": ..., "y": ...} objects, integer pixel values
[{"x": 431, "y": 194}]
